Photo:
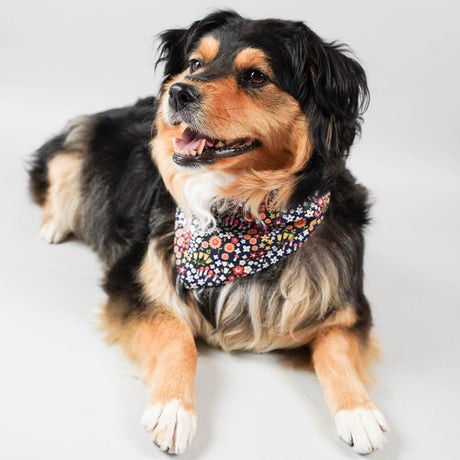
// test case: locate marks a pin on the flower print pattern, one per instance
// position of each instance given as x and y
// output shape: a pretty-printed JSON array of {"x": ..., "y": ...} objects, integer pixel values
[{"x": 240, "y": 245}]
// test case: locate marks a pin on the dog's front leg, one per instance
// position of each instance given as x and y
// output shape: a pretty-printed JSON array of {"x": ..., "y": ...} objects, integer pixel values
[
  {"x": 163, "y": 347},
  {"x": 340, "y": 364}
]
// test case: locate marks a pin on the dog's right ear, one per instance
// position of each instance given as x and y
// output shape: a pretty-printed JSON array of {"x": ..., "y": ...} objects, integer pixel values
[
  {"x": 175, "y": 44},
  {"x": 172, "y": 50}
]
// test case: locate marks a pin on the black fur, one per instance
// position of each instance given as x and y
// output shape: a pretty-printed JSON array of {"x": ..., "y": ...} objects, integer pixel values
[
  {"x": 119, "y": 180},
  {"x": 126, "y": 203}
]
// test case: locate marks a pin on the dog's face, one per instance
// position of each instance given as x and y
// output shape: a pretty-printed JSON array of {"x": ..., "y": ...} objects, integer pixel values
[
  {"x": 255, "y": 100},
  {"x": 230, "y": 103}
]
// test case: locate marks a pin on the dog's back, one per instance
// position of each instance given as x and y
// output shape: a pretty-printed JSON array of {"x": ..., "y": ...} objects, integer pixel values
[{"x": 96, "y": 180}]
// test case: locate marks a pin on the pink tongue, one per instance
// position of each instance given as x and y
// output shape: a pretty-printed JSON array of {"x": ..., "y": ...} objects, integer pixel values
[
  {"x": 180, "y": 144},
  {"x": 189, "y": 141}
]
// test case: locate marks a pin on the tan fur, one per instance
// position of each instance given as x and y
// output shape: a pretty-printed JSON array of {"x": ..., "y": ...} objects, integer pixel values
[
  {"x": 252, "y": 333},
  {"x": 207, "y": 49},
  {"x": 247, "y": 319},
  {"x": 155, "y": 277},
  {"x": 253, "y": 57},
  {"x": 340, "y": 360},
  {"x": 63, "y": 201},
  {"x": 162, "y": 152},
  {"x": 164, "y": 350}
]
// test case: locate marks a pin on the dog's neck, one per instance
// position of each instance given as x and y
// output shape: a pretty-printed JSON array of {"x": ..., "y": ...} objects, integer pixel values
[{"x": 238, "y": 245}]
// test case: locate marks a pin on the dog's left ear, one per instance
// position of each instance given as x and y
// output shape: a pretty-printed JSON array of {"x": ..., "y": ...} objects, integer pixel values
[{"x": 335, "y": 95}]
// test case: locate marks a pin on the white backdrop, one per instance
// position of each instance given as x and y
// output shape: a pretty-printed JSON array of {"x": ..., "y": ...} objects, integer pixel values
[{"x": 65, "y": 395}]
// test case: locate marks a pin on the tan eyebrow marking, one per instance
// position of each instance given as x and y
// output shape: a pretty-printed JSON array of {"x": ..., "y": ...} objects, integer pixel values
[
  {"x": 207, "y": 49},
  {"x": 253, "y": 57}
]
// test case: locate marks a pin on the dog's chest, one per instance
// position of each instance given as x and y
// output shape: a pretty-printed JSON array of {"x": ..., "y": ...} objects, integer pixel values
[{"x": 279, "y": 307}]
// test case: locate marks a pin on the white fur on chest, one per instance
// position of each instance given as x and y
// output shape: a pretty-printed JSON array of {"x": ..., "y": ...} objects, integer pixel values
[{"x": 201, "y": 191}]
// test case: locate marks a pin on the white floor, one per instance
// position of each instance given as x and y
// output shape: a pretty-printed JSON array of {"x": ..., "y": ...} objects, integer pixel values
[{"x": 66, "y": 395}]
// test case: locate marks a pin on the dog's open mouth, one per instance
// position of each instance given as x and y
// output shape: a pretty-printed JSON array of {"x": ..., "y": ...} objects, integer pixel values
[{"x": 193, "y": 148}]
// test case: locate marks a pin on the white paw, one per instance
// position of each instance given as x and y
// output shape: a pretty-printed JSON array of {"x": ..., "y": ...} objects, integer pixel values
[
  {"x": 362, "y": 428},
  {"x": 51, "y": 232},
  {"x": 170, "y": 425}
]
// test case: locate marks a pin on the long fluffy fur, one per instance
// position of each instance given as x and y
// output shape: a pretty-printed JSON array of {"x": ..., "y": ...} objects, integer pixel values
[
  {"x": 120, "y": 188},
  {"x": 128, "y": 200}
]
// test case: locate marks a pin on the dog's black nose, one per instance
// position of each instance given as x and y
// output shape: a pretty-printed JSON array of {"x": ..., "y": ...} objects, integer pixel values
[{"x": 181, "y": 94}]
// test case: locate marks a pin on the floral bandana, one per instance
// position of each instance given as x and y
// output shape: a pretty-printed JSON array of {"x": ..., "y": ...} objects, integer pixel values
[{"x": 240, "y": 246}]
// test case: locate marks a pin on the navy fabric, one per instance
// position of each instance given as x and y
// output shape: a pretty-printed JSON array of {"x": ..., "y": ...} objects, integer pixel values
[{"x": 240, "y": 245}]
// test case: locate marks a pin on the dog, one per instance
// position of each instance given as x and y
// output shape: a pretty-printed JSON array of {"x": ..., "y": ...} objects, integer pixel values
[{"x": 223, "y": 210}]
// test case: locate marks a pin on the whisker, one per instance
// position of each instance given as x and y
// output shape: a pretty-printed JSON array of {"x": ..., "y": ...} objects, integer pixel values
[{"x": 222, "y": 118}]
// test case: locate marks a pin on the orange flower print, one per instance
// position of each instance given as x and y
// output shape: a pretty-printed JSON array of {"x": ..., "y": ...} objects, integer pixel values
[
  {"x": 215, "y": 242},
  {"x": 204, "y": 244},
  {"x": 238, "y": 270},
  {"x": 224, "y": 256},
  {"x": 229, "y": 247},
  {"x": 300, "y": 223},
  {"x": 253, "y": 241}
]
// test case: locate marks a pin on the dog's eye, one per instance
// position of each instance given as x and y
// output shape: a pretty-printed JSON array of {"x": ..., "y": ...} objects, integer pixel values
[
  {"x": 195, "y": 64},
  {"x": 256, "y": 77}
]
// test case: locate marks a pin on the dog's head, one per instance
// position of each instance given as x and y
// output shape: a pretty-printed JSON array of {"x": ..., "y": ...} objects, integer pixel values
[{"x": 255, "y": 106}]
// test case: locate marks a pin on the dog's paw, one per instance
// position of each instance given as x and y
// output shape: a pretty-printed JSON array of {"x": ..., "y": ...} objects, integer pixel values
[
  {"x": 51, "y": 232},
  {"x": 170, "y": 425},
  {"x": 362, "y": 428}
]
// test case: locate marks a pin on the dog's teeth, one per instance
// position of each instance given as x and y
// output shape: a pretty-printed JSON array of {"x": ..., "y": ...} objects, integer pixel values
[
  {"x": 219, "y": 144},
  {"x": 193, "y": 153},
  {"x": 201, "y": 147}
]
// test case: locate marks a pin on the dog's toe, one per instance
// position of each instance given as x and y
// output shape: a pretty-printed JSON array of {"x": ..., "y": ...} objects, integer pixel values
[
  {"x": 51, "y": 232},
  {"x": 170, "y": 425},
  {"x": 362, "y": 428}
]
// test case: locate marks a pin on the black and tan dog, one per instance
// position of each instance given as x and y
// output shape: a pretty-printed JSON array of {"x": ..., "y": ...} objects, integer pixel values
[{"x": 224, "y": 210}]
